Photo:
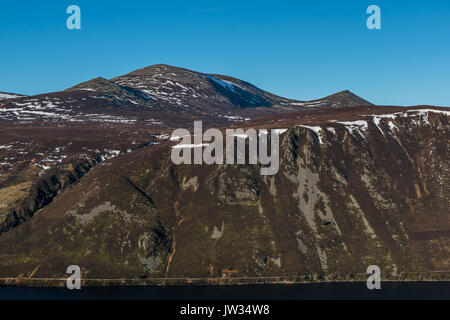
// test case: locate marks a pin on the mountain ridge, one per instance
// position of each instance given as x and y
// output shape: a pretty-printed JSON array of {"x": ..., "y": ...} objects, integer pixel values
[{"x": 161, "y": 92}]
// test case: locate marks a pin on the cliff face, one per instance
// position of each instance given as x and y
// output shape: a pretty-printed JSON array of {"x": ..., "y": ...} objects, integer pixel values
[
  {"x": 348, "y": 194},
  {"x": 35, "y": 196}
]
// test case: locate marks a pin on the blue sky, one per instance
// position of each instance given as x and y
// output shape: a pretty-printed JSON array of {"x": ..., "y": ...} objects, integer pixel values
[{"x": 297, "y": 49}]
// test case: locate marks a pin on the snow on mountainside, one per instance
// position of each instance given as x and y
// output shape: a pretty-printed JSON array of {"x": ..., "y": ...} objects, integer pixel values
[
  {"x": 4, "y": 95},
  {"x": 160, "y": 92},
  {"x": 112, "y": 90},
  {"x": 188, "y": 88}
]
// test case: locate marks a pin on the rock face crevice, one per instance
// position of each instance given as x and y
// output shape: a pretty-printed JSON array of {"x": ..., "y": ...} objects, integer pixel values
[{"x": 42, "y": 192}]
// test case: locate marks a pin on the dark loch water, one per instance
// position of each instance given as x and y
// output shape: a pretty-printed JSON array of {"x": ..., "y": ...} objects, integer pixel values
[{"x": 310, "y": 291}]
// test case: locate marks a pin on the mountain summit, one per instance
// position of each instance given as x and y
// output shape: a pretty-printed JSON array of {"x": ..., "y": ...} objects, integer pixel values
[{"x": 185, "y": 87}]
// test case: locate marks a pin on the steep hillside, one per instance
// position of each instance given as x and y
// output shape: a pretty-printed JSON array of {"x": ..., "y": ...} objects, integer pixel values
[{"x": 360, "y": 187}]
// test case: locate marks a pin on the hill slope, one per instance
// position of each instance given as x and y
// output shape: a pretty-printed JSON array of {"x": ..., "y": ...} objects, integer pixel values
[{"x": 352, "y": 190}]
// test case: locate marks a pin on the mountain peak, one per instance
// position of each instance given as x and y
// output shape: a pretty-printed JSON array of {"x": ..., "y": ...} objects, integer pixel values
[
  {"x": 347, "y": 98},
  {"x": 158, "y": 69},
  {"x": 184, "y": 87}
]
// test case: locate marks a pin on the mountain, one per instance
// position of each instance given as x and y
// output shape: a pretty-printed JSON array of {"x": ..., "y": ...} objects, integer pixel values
[
  {"x": 160, "y": 92},
  {"x": 343, "y": 98},
  {"x": 191, "y": 89},
  {"x": 86, "y": 178}
]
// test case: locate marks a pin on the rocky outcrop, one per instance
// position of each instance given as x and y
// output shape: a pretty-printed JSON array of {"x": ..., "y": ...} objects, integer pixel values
[{"x": 42, "y": 192}]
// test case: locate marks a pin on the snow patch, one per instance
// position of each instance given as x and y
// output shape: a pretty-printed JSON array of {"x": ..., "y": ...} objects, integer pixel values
[
  {"x": 316, "y": 129},
  {"x": 358, "y": 126}
]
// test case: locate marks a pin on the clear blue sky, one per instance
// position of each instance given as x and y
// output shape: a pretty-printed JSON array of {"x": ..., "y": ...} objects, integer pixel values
[{"x": 298, "y": 49}]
